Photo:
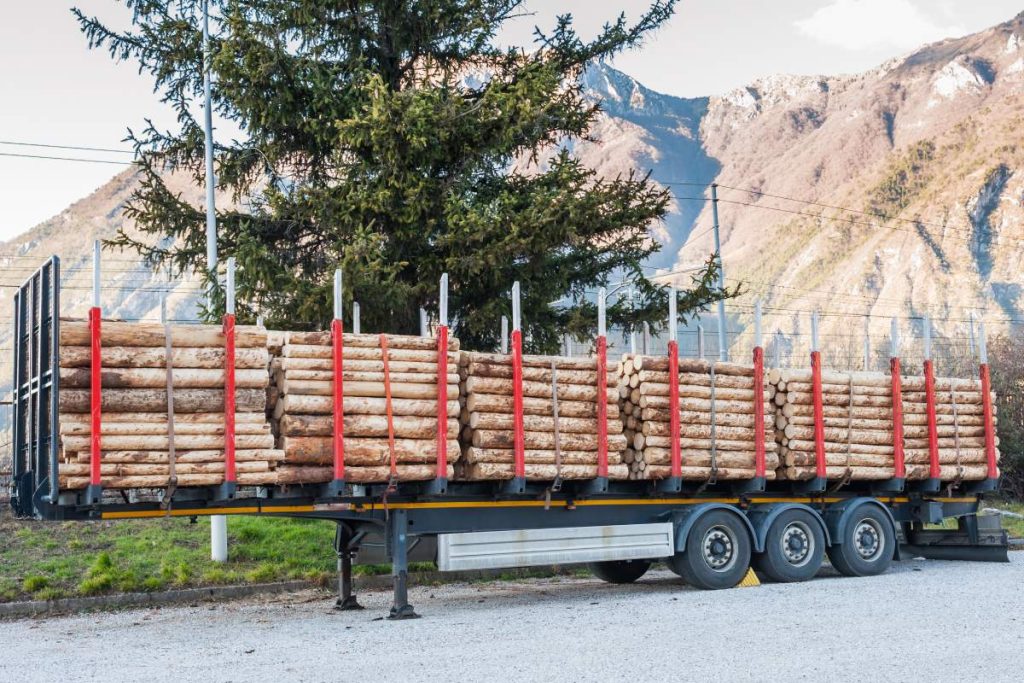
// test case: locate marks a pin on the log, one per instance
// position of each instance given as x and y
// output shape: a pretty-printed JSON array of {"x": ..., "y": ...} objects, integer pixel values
[
  {"x": 855, "y": 473},
  {"x": 863, "y": 389},
  {"x": 702, "y": 417},
  {"x": 692, "y": 365},
  {"x": 113, "y": 469},
  {"x": 496, "y": 403},
  {"x": 365, "y": 451},
  {"x": 565, "y": 392},
  {"x": 540, "y": 423},
  {"x": 487, "y": 471},
  {"x": 371, "y": 389},
  {"x": 535, "y": 374},
  {"x": 285, "y": 474},
  {"x": 350, "y": 375},
  {"x": 405, "y": 427},
  {"x": 913, "y": 383},
  {"x": 486, "y": 438},
  {"x": 359, "y": 353},
  {"x": 158, "y": 429},
  {"x": 369, "y": 341},
  {"x": 184, "y": 418},
  {"x": 153, "y": 400},
  {"x": 361, "y": 405},
  {"x": 156, "y": 457},
  {"x": 662, "y": 456},
  {"x": 156, "y": 357},
  {"x": 354, "y": 365},
  {"x": 807, "y": 446},
  {"x": 149, "y": 378},
  {"x": 162, "y": 443},
  {"x": 531, "y": 361},
  {"x": 536, "y": 456},
  {"x": 76, "y": 333},
  {"x": 661, "y": 378},
  {"x": 658, "y": 430},
  {"x": 650, "y": 401},
  {"x": 725, "y": 382},
  {"x": 837, "y": 460},
  {"x": 840, "y": 399},
  {"x": 704, "y": 473}
]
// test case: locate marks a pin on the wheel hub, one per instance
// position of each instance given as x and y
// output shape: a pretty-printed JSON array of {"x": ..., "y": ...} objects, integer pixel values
[
  {"x": 868, "y": 540},
  {"x": 797, "y": 543},
  {"x": 719, "y": 548}
]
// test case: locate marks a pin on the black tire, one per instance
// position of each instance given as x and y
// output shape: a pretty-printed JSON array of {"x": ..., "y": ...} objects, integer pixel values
[
  {"x": 867, "y": 546},
  {"x": 717, "y": 553},
  {"x": 793, "y": 549},
  {"x": 620, "y": 571}
]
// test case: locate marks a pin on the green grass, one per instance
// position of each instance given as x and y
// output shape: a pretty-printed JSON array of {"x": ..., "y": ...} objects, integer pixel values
[{"x": 48, "y": 560}]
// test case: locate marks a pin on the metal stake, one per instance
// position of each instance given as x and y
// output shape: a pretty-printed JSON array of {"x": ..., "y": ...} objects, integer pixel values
[
  {"x": 504, "y": 334},
  {"x": 723, "y": 345},
  {"x": 355, "y": 317}
]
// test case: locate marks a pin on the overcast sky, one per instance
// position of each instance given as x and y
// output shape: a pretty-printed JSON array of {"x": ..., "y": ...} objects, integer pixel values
[{"x": 55, "y": 91}]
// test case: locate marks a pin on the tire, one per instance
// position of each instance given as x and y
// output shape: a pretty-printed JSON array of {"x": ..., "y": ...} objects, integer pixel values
[
  {"x": 717, "y": 553},
  {"x": 620, "y": 571},
  {"x": 867, "y": 546},
  {"x": 793, "y": 549}
]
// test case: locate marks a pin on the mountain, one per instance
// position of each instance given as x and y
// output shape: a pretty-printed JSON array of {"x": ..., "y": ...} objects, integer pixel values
[{"x": 924, "y": 153}]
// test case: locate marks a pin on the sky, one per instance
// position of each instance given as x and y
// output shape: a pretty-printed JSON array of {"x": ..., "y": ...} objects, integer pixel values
[{"x": 55, "y": 91}]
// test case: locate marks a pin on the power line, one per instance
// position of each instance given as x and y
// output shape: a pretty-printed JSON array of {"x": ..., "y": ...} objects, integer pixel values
[
  {"x": 51, "y": 158},
  {"x": 77, "y": 147}
]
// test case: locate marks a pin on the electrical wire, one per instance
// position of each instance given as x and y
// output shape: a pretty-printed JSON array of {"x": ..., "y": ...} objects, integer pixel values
[
  {"x": 75, "y": 147},
  {"x": 52, "y": 158}
]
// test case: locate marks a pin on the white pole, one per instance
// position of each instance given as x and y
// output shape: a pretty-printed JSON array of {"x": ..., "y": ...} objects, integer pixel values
[
  {"x": 927, "y": 338},
  {"x": 442, "y": 314},
  {"x": 700, "y": 341},
  {"x": 515, "y": 306},
  {"x": 424, "y": 327},
  {"x": 218, "y": 523},
  {"x": 814, "y": 332},
  {"x": 673, "y": 318},
  {"x": 601, "y": 322},
  {"x": 96, "y": 274},
  {"x": 355, "y": 317},
  {"x": 982, "y": 345},
  {"x": 723, "y": 344},
  {"x": 647, "y": 338},
  {"x": 566, "y": 346},
  {"x": 337, "y": 294},
  {"x": 504, "y": 334},
  {"x": 894, "y": 338},
  {"x": 229, "y": 288}
]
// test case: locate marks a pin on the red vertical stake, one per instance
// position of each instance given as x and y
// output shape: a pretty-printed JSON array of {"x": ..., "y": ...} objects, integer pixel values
[
  {"x": 518, "y": 437},
  {"x": 675, "y": 450},
  {"x": 759, "y": 446},
  {"x": 442, "y": 402},
  {"x": 819, "y": 417},
  {"x": 338, "y": 411},
  {"x": 899, "y": 461},
  {"x": 95, "y": 395},
  {"x": 602, "y": 407},
  {"x": 229, "y": 398},
  {"x": 933, "y": 432},
  {"x": 990, "y": 432}
]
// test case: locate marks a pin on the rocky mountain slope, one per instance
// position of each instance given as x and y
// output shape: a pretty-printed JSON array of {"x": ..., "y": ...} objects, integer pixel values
[{"x": 925, "y": 152}]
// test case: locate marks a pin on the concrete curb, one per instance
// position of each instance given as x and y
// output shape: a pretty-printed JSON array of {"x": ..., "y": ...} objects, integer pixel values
[{"x": 34, "y": 608}]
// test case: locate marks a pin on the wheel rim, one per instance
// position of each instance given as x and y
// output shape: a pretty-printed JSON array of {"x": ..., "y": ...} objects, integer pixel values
[
  {"x": 869, "y": 539},
  {"x": 797, "y": 544},
  {"x": 719, "y": 548}
]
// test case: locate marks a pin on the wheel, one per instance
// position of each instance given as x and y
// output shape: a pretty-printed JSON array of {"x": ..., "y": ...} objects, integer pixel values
[
  {"x": 793, "y": 549},
  {"x": 868, "y": 544},
  {"x": 620, "y": 571},
  {"x": 717, "y": 553}
]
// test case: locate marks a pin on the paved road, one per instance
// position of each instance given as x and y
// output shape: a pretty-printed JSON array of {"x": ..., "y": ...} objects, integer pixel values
[{"x": 924, "y": 620}]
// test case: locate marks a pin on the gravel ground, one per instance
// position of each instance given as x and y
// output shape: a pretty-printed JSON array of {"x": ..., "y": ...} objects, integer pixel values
[{"x": 923, "y": 620}]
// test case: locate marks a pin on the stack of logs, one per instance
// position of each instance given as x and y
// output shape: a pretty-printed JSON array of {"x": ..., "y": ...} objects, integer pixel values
[
  {"x": 858, "y": 426},
  {"x": 137, "y": 434},
  {"x": 716, "y": 411},
  {"x": 560, "y": 413},
  {"x": 303, "y": 388}
]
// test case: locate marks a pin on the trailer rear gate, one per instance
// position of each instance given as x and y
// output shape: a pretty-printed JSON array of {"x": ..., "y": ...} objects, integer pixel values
[{"x": 709, "y": 533}]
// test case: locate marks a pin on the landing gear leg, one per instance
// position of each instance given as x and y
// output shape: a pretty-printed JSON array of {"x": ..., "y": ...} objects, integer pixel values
[
  {"x": 342, "y": 545},
  {"x": 398, "y": 527}
]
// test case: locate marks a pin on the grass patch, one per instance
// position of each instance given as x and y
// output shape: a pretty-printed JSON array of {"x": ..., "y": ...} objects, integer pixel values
[{"x": 50, "y": 560}]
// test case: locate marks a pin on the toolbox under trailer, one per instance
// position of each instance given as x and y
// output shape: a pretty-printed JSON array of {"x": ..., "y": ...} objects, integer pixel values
[{"x": 710, "y": 534}]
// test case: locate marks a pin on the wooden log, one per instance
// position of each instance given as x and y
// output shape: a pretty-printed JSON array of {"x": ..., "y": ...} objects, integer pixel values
[
  {"x": 862, "y": 389},
  {"x": 158, "y": 429},
  {"x": 945, "y": 397},
  {"x": 296, "y": 404},
  {"x": 369, "y": 341},
  {"x": 162, "y": 442},
  {"x": 702, "y": 393},
  {"x": 184, "y": 418},
  {"x": 878, "y": 436},
  {"x": 285, "y": 474},
  {"x": 653, "y": 430},
  {"x": 662, "y": 456},
  {"x": 156, "y": 357},
  {"x": 912, "y": 383},
  {"x": 840, "y": 399},
  {"x": 807, "y": 446},
  {"x": 724, "y": 382},
  {"x": 566, "y": 392},
  {"x": 540, "y": 423},
  {"x": 487, "y": 438},
  {"x": 488, "y": 471},
  {"x": 531, "y": 361},
  {"x": 366, "y": 451},
  {"x": 839, "y": 460},
  {"x": 405, "y": 427},
  {"x": 701, "y": 417},
  {"x": 350, "y": 375},
  {"x": 536, "y": 456},
  {"x": 535, "y": 374},
  {"x": 76, "y": 333},
  {"x": 360, "y": 353},
  {"x": 947, "y": 457},
  {"x": 692, "y": 365},
  {"x": 496, "y": 403},
  {"x": 854, "y": 473},
  {"x": 354, "y": 364},
  {"x": 156, "y": 457},
  {"x": 950, "y": 472},
  {"x": 703, "y": 473},
  {"x": 370, "y": 389},
  {"x": 149, "y": 378},
  {"x": 153, "y": 400},
  {"x": 143, "y": 482},
  {"x": 113, "y": 469}
]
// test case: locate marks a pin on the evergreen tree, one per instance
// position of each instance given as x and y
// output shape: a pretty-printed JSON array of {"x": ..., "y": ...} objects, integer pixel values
[{"x": 394, "y": 139}]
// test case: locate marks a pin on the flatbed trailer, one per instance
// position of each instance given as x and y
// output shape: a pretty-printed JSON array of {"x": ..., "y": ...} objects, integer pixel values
[{"x": 709, "y": 533}]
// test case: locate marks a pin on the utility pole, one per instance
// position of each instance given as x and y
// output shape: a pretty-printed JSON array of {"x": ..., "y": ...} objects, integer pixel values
[
  {"x": 218, "y": 523},
  {"x": 723, "y": 344}
]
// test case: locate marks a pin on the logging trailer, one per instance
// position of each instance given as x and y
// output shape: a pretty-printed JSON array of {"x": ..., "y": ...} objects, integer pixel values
[{"x": 710, "y": 532}]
